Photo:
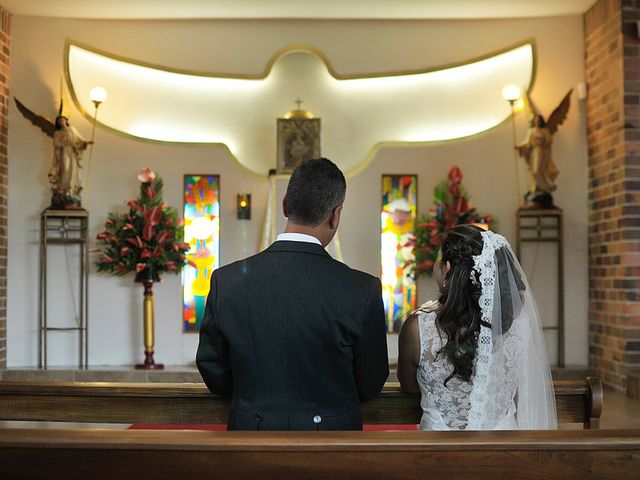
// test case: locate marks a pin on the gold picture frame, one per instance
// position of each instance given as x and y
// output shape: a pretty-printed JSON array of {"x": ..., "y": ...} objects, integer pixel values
[{"x": 298, "y": 140}]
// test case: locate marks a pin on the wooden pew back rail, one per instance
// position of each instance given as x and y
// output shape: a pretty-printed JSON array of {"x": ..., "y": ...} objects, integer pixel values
[
  {"x": 191, "y": 403},
  {"x": 107, "y": 454}
]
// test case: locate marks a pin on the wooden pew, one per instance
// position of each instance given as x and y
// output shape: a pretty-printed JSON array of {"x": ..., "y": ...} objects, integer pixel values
[
  {"x": 107, "y": 454},
  {"x": 191, "y": 403}
]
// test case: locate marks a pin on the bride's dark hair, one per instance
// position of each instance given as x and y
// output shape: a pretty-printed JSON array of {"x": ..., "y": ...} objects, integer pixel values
[{"x": 459, "y": 316}]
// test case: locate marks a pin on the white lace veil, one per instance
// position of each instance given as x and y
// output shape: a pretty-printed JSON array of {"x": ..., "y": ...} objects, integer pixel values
[{"x": 511, "y": 355}]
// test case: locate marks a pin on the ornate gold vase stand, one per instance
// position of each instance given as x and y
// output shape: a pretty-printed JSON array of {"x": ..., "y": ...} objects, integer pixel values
[{"x": 149, "y": 363}]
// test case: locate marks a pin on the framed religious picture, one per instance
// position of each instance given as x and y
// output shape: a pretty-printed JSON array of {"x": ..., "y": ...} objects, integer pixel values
[{"x": 298, "y": 140}]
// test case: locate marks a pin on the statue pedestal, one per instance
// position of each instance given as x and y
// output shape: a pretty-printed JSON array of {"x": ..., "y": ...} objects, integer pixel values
[
  {"x": 539, "y": 226},
  {"x": 64, "y": 227}
]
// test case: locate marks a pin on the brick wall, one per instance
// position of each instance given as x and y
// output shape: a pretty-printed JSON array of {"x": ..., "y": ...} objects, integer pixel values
[
  {"x": 612, "y": 66},
  {"x": 5, "y": 44}
]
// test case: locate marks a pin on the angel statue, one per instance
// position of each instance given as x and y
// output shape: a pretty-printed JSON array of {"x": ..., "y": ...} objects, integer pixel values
[
  {"x": 68, "y": 147},
  {"x": 536, "y": 151}
]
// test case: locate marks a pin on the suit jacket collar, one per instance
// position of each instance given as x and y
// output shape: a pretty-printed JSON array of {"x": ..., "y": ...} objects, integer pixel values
[{"x": 298, "y": 247}]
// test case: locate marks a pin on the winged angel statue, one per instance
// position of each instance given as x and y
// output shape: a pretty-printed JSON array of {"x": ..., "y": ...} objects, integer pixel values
[
  {"x": 68, "y": 147},
  {"x": 536, "y": 151}
]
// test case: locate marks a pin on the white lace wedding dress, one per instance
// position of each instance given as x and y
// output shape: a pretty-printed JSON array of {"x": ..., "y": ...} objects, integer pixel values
[
  {"x": 511, "y": 386},
  {"x": 448, "y": 407}
]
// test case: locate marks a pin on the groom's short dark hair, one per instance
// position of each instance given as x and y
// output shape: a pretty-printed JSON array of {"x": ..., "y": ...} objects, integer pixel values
[{"x": 316, "y": 187}]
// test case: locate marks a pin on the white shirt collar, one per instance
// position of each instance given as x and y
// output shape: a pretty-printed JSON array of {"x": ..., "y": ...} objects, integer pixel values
[{"x": 297, "y": 237}]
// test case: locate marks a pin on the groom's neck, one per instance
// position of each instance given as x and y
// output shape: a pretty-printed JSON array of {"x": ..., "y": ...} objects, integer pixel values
[{"x": 306, "y": 230}]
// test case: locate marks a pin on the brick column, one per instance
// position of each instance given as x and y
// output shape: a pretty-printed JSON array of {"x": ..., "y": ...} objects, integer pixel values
[
  {"x": 612, "y": 65},
  {"x": 5, "y": 44}
]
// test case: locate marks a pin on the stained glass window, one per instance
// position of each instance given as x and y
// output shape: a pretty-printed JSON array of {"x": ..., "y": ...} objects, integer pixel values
[
  {"x": 397, "y": 220},
  {"x": 202, "y": 233}
]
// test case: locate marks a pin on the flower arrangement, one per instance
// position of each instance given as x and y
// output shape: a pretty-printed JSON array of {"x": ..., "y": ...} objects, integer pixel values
[
  {"x": 452, "y": 207},
  {"x": 148, "y": 240}
]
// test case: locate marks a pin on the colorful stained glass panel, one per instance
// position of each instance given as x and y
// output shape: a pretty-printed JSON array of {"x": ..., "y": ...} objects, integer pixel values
[
  {"x": 202, "y": 233},
  {"x": 397, "y": 221}
]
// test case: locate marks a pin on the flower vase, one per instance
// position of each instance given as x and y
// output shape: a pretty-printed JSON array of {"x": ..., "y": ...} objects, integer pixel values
[{"x": 147, "y": 278}]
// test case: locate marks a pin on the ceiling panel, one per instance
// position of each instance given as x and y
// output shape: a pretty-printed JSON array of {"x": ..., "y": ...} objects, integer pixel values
[{"x": 311, "y": 9}]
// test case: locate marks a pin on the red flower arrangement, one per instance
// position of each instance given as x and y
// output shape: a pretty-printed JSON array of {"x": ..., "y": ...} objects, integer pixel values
[
  {"x": 148, "y": 240},
  {"x": 452, "y": 207}
]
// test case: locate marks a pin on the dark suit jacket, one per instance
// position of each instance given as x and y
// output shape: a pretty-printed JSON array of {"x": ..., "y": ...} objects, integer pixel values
[{"x": 295, "y": 338}]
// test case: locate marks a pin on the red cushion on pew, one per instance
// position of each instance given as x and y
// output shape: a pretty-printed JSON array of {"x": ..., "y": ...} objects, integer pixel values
[{"x": 160, "y": 426}]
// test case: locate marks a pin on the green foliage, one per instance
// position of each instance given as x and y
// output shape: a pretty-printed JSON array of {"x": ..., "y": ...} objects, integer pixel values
[
  {"x": 452, "y": 207},
  {"x": 149, "y": 238},
  {"x": 441, "y": 193}
]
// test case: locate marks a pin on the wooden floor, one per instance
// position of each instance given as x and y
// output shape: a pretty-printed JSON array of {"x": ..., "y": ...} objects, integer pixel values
[{"x": 619, "y": 411}]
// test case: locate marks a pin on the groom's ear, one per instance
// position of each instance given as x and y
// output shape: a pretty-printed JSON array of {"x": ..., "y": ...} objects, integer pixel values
[
  {"x": 334, "y": 218},
  {"x": 285, "y": 208}
]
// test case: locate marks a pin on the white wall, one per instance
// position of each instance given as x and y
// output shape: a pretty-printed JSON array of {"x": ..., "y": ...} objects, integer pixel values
[{"x": 244, "y": 47}]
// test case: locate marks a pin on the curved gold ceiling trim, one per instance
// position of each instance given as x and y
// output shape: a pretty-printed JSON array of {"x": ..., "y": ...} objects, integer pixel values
[
  {"x": 277, "y": 55},
  {"x": 300, "y": 47}
]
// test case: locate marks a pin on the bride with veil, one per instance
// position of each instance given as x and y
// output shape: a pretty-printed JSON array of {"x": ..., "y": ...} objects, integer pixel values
[{"x": 477, "y": 355}]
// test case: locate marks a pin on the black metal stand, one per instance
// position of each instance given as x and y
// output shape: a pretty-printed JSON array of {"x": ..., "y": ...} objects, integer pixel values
[
  {"x": 545, "y": 225},
  {"x": 64, "y": 227}
]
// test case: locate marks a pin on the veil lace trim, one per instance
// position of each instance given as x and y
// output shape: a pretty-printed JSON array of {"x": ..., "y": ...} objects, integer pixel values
[{"x": 485, "y": 265}]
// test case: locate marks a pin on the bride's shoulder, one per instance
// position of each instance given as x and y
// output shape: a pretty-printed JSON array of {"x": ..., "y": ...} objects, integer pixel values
[
  {"x": 426, "y": 314},
  {"x": 420, "y": 319}
]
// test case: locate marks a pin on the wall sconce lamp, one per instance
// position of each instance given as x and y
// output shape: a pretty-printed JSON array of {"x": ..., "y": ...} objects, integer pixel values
[
  {"x": 244, "y": 206},
  {"x": 512, "y": 93}
]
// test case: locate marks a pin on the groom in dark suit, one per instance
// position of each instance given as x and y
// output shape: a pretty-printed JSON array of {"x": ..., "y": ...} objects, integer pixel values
[{"x": 295, "y": 338}]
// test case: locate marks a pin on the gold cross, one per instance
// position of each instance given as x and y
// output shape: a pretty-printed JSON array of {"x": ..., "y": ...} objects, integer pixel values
[{"x": 298, "y": 102}]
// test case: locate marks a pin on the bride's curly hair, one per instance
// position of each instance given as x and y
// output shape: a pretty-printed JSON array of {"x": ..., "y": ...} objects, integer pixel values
[{"x": 459, "y": 316}]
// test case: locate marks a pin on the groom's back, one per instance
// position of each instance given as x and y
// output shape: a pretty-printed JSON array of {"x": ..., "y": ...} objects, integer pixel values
[
  {"x": 295, "y": 338},
  {"x": 293, "y": 319}
]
